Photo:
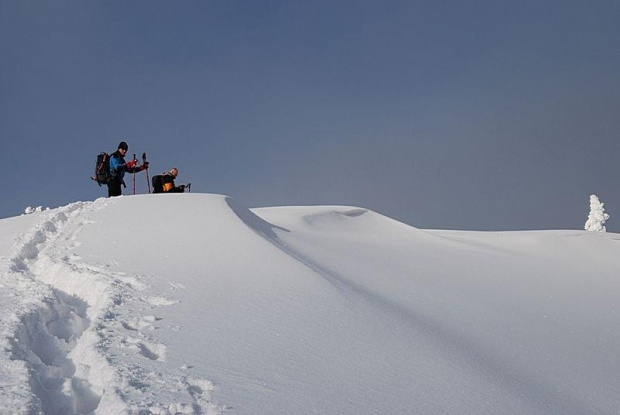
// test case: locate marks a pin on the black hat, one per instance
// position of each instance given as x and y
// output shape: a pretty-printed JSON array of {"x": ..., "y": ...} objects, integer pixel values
[{"x": 123, "y": 145}]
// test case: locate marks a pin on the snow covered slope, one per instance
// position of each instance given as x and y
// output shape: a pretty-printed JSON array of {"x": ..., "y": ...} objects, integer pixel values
[{"x": 196, "y": 304}]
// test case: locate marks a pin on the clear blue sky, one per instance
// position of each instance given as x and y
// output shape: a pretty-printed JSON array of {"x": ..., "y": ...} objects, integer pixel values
[{"x": 484, "y": 115}]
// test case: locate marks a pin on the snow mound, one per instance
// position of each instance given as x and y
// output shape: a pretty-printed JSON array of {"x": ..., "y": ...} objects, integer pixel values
[{"x": 193, "y": 303}]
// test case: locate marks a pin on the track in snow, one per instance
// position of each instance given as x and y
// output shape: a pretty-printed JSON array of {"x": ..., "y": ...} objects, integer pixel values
[{"x": 69, "y": 321}]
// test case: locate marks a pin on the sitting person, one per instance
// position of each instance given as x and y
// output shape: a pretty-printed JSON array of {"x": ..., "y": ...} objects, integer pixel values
[{"x": 164, "y": 183}]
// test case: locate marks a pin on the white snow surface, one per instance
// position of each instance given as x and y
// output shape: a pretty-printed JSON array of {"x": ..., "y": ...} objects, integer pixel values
[{"x": 195, "y": 304}]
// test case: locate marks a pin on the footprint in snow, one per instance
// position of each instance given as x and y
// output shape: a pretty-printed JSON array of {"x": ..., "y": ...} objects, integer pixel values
[
  {"x": 140, "y": 323},
  {"x": 131, "y": 282},
  {"x": 148, "y": 349},
  {"x": 160, "y": 301},
  {"x": 153, "y": 351}
]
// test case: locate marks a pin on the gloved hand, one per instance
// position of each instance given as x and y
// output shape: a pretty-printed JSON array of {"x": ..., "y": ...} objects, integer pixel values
[
  {"x": 182, "y": 187},
  {"x": 146, "y": 165},
  {"x": 131, "y": 164}
]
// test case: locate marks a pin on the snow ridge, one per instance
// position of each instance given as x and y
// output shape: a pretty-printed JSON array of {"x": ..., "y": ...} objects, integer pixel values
[
  {"x": 60, "y": 344},
  {"x": 485, "y": 361}
]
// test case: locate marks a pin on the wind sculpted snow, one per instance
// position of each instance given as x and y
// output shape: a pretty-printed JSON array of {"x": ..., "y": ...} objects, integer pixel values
[{"x": 196, "y": 304}]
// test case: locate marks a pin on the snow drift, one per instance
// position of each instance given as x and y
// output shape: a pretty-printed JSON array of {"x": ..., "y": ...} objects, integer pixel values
[{"x": 196, "y": 304}]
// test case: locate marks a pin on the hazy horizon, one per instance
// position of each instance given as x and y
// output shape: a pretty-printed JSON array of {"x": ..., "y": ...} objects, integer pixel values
[{"x": 449, "y": 115}]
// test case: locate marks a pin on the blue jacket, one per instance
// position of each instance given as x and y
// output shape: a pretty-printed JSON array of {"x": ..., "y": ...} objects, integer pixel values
[{"x": 118, "y": 167}]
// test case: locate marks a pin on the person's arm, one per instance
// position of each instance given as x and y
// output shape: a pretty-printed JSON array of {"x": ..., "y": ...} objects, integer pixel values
[
  {"x": 169, "y": 186},
  {"x": 115, "y": 166},
  {"x": 130, "y": 166},
  {"x": 168, "y": 183},
  {"x": 142, "y": 167}
]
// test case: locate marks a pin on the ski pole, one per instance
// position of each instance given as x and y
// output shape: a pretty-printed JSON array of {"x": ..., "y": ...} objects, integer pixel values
[
  {"x": 134, "y": 174},
  {"x": 148, "y": 181},
  {"x": 189, "y": 187}
]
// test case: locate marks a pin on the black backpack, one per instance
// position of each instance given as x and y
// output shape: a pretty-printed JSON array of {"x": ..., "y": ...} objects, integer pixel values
[
  {"x": 102, "y": 169},
  {"x": 158, "y": 183}
]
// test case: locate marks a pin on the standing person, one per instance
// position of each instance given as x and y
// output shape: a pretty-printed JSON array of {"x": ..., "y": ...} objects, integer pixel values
[
  {"x": 165, "y": 183},
  {"x": 118, "y": 167}
]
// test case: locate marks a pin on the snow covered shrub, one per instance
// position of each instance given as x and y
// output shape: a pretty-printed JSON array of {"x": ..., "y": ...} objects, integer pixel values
[{"x": 597, "y": 217}]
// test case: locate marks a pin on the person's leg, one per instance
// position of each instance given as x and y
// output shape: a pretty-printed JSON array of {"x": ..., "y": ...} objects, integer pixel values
[{"x": 114, "y": 189}]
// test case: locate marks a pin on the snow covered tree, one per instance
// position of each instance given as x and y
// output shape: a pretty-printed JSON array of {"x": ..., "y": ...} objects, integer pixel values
[{"x": 597, "y": 217}]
